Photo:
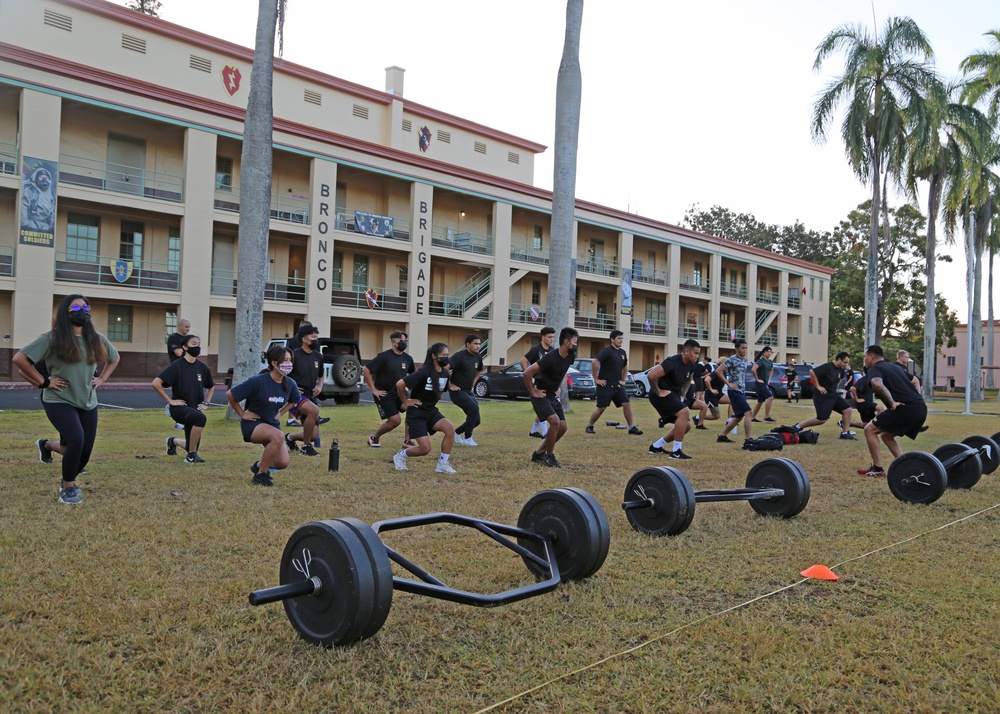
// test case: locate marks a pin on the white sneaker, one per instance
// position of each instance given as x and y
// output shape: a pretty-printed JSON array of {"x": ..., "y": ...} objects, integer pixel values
[
  {"x": 461, "y": 440},
  {"x": 469, "y": 442},
  {"x": 400, "y": 461},
  {"x": 444, "y": 467}
]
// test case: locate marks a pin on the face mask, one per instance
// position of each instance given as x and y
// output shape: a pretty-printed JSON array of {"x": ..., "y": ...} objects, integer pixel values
[
  {"x": 402, "y": 345},
  {"x": 79, "y": 318},
  {"x": 572, "y": 352},
  {"x": 443, "y": 361},
  {"x": 194, "y": 351},
  {"x": 285, "y": 368}
]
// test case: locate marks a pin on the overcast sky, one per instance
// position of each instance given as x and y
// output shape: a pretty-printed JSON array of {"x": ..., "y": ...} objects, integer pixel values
[{"x": 683, "y": 103}]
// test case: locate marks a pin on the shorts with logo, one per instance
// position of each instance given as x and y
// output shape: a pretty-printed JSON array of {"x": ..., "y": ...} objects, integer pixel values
[
  {"x": 294, "y": 411},
  {"x": 420, "y": 421},
  {"x": 904, "y": 420},
  {"x": 611, "y": 393},
  {"x": 247, "y": 427},
  {"x": 763, "y": 392},
  {"x": 547, "y": 406},
  {"x": 738, "y": 401},
  {"x": 667, "y": 406},
  {"x": 389, "y": 405},
  {"x": 712, "y": 398},
  {"x": 827, "y": 404}
]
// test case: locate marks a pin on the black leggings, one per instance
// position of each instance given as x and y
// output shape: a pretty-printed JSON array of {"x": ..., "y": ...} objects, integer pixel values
[
  {"x": 468, "y": 404},
  {"x": 189, "y": 417},
  {"x": 77, "y": 430}
]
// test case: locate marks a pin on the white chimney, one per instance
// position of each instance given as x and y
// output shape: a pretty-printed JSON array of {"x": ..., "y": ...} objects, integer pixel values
[{"x": 394, "y": 80}]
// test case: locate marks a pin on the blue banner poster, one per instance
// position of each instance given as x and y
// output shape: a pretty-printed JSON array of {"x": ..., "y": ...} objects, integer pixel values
[{"x": 38, "y": 202}]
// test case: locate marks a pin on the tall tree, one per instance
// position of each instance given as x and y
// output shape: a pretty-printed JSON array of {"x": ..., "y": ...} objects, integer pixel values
[
  {"x": 569, "y": 91},
  {"x": 146, "y": 7},
  {"x": 886, "y": 78},
  {"x": 958, "y": 132},
  {"x": 255, "y": 194},
  {"x": 983, "y": 71}
]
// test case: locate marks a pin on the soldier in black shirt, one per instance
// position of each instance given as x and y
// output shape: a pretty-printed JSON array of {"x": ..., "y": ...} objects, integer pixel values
[
  {"x": 174, "y": 350},
  {"x": 609, "y": 370},
  {"x": 466, "y": 368},
  {"x": 709, "y": 385},
  {"x": 825, "y": 379},
  {"x": 188, "y": 378},
  {"x": 425, "y": 387},
  {"x": 381, "y": 375},
  {"x": 668, "y": 385},
  {"x": 546, "y": 344},
  {"x": 307, "y": 373},
  {"x": 905, "y": 409},
  {"x": 543, "y": 379}
]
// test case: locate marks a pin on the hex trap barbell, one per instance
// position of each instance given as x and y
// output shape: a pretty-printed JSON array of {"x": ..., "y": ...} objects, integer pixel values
[{"x": 919, "y": 477}]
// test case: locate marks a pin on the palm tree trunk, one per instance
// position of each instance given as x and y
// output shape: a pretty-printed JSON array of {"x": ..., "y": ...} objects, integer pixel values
[
  {"x": 976, "y": 328},
  {"x": 930, "y": 300},
  {"x": 884, "y": 288},
  {"x": 569, "y": 89},
  {"x": 990, "y": 331},
  {"x": 255, "y": 199},
  {"x": 871, "y": 276}
]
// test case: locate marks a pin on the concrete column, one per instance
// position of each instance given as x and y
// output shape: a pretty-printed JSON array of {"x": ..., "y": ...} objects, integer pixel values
[
  {"x": 502, "y": 222},
  {"x": 319, "y": 274},
  {"x": 715, "y": 303},
  {"x": 625, "y": 253},
  {"x": 196, "y": 229},
  {"x": 674, "y": 317},
  {"x": 34, "y": 265},
  {"x": 782, "y": 346},
  {"x": 422, "y": 207},
  {"x": 752, "y": 305}
]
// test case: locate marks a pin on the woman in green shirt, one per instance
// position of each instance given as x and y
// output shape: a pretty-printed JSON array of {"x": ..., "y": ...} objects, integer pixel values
[{"x": 69, "y": 394}]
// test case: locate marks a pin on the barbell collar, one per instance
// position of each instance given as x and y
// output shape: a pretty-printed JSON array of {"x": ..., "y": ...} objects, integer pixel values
[{"x": 312, "y": 586}]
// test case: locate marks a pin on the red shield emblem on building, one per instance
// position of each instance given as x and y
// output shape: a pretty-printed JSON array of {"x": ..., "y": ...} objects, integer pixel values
[{"x": 231, "y": 78}]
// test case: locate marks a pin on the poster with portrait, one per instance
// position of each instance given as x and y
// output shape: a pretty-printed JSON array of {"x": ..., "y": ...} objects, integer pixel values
[
  {"x": 38, "y": 202},
  {"x": 627, "y": 291}
]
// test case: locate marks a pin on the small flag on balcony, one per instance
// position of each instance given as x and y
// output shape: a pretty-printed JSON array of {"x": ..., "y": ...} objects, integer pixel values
[
  {"x": 371, "y": 297},
  {"x": 121, "y": 269},
  {"x": 649, "y": 326},
  {"x": 534, "y": 313}
]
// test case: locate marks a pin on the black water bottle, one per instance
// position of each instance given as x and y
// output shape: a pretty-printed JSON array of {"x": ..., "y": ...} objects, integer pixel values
[{"x": 334, "y": 456}]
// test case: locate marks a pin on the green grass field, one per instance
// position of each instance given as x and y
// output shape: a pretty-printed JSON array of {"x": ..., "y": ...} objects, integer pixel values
[{"x": 136, "y": 600}]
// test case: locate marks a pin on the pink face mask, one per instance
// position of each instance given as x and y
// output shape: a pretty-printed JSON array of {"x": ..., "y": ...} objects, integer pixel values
[{"x": 285, "y": 368}]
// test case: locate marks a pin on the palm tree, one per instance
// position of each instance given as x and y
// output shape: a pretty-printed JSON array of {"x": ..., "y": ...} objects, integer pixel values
[
  {"x": 569, "y": 88},
  {"x": 959, "y": 130},
  {"x": 983, "y": 70},
  {"x": 885, "y": 81},
  {"x": 255, "y": 194}
]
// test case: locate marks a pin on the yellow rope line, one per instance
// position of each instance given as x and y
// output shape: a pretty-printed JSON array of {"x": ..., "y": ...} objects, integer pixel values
[{"x": 700, "y": 620}]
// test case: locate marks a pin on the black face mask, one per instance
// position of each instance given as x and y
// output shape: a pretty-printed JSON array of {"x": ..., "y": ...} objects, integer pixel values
[
  {"x": 443, "y": 361},
  {"x": 79, "y": 318},
  {"x": 572, "y": 352},
  {"x": 402, "y": 345},
  {"x": 194, "y": 351}
]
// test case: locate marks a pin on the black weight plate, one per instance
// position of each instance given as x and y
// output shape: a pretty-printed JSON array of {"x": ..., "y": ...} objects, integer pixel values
[
  {"x": 989, "y": 452},
  {"x": 567, "y": 521},
  {"x": 967, "y": 472},
  {"x": 786, "y": 475},
  {"x": 806, "y": 491},
  {"x": 342, "y": 611},
  {"x": 381, "y": 567},
  {"x": 673, "y": 501},
  {"x": 603, "y": 527},
  {"x": 917, "y": 477}
]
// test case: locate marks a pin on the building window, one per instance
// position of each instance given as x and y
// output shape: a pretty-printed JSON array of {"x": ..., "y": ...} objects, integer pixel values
[
  {"x": 819, "y": 324},
  {"x": 171, "y": 325},
  {"x": 337, "y": 278},
  {"x": 821, "y": 291},
  {"x": 83, "y": 237},
  {"x": 131, "y": 243},
  {"x": 732, "y": 281},
  {"x": 360, "y": 279},
  {"x": 536, "y": 243},
  {"x": 120, "y": 323},
  {"x": 174, "y": 250},
  {"x": 812, "y": 288},
  {"x": 951, "y": 361},
  {"x": 223, "y": 174},
  {"x": 697, "y": 274},
  {"x": 404, "y": 279},
  {"x": 536, "y": 292},
  {"x": 810, "y": 325}
]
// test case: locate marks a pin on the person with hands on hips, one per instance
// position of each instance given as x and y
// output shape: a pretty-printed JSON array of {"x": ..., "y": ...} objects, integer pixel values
[
  {"x": 425, "y": 387},
  {"x": 188, "y": 378}
]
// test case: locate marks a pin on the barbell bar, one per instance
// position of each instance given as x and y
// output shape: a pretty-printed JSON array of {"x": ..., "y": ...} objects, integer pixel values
[{"x": 919, "y": 477}]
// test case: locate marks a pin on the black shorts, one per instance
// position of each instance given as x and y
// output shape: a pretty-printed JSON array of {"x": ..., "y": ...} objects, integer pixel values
[
  {"x": 904, "y": 420},
  {"x": 763, "y": 392},
  {"x": 668, "y": 407},
  {"x": 247, "y": 427},
  {"x": 420, "y": 422},
  {"x": 611, "y": 393},
  {"x": 712, "y": 398},
  {"x": 867, "y": 412},
  {"x": 389, "y": 405},
  {"x": 547, "y": 406},
  {"x": 738, "y": 401},
  {"x": 829, "y": 403},
  {"x": 188, "y": 416}
]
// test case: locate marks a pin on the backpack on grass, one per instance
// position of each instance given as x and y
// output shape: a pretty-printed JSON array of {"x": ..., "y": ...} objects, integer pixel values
[
  {"x": 767, "y": 442},
  {"x": 791, "y": 436}
]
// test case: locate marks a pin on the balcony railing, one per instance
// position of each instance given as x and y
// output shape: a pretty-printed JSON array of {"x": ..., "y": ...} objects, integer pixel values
[
  {"x": 279, "y": 288},
  {"x": 283, "y": 208},
  {"x": 653, "y": 277},
  {"x": 649, "y": 326},
  {"x": 384, "y": 300},
  {"x": 728, "y": 334},
  {"x": 8, "y": 158},
  {"x": 696, "y": 283},
  {"x": 445, "y": 237},
  {"x": 100, "y": 270},
  {"x": 456, "y": 304},
  {"x": 526, "y": 314},
  {"x": 597, "y": 266},
  {"x": 347, "y": 220},
  {"x": 693, "y": 332},
  {"x": 730, "y": 290},
  {"x": 6, "y": 261},
  {"x": 118, "y": 178},
  {"x": 795, "y": 302},
  {"x": 529, "y": 254},
  {"x": 769, "y": 297},
  {"x": 768, "y": 338},
  {"x": 791, "y": 342},
  {"x": 600, "y": 321}
]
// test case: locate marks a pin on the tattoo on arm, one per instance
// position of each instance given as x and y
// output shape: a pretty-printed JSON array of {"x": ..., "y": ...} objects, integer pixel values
[{"x": 883, "y": 392}]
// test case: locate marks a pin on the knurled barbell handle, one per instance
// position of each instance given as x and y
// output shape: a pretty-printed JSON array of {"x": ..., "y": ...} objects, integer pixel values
[
  {"x": 959, "y": 458},
  {"x": 311, "y": 586}
]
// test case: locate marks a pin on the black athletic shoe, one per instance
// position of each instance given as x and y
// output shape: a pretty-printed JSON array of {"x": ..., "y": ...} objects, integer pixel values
[
  {"x": 537, "y": 435},
  {"x": 254, "y": 466},
  {"x": 634, "y": 430},
  {"x": 537, "y": 457},
  {"x": 756, "y": 421},
  {"x": 171, "y": 449},
  {"x": 45, "y": 453},
  {"x": 193, "y": 458},
  {"x": 702, "y": 427},
  {"x": 847, "y": 436},
  {"x": 290, "y": 444},
  {"x": 654, "y": 449},
  {"x": 725, "y": 440},
  {"x": 323, "y": 420},
  {"x": 660, "y": 423},
  {"x": 262, "y": 480},
  {"x": 308, "y": 450},
  {"x": 590, "y": 429},
  {"x": 678, "y": 455},
  {"x": 769, "y": 419},
  {"x": 550, "y": 461}
]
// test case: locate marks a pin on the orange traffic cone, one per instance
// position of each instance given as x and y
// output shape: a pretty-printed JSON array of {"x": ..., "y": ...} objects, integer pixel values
[{"x": 819, "y": 572}]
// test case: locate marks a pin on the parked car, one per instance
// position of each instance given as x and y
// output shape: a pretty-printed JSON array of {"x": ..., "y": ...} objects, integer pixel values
[
  {"x": 342, "y": 377},
  {"x": 509, "y": 382},
  {"x": 641, "y": 380},
  {"x": 586, "y": 366}
]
